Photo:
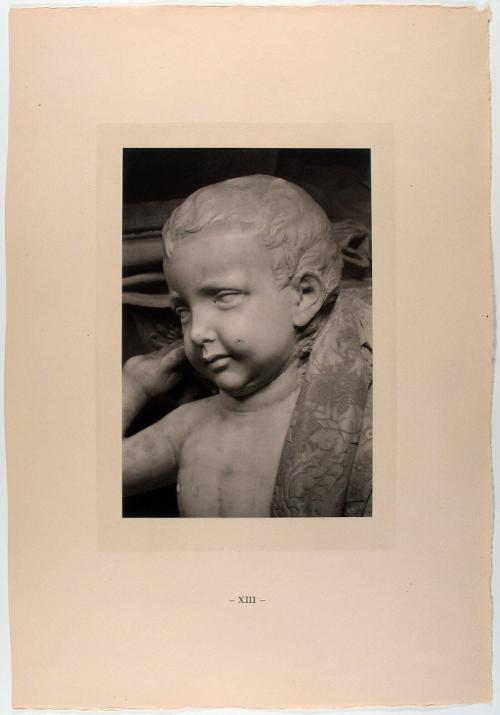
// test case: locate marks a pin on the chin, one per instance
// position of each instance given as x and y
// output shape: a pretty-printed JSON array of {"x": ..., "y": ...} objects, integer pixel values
[
  {"x": 233, "y": 387},
  {"x": 239, "y": 388},
  {"x": 229, "y": 381}
]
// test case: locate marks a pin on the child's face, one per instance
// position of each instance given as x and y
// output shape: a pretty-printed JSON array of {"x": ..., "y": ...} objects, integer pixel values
[{"x": 237, "y": 322}]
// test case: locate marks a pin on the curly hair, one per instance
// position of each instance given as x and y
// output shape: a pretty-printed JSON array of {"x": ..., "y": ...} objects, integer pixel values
[{"x": 284, "y": 216}]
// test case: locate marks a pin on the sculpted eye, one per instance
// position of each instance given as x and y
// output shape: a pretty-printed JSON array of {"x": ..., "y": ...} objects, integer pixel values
[
  {"x": 228, "y": 298},
  {"x": 183, "y": 313}
]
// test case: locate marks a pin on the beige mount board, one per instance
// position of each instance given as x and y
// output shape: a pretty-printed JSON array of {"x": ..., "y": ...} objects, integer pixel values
[{"x": 393, "y": 610}]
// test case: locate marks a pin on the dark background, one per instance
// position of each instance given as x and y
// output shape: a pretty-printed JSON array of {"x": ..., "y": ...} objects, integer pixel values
[{"x": 338, "y": 179}]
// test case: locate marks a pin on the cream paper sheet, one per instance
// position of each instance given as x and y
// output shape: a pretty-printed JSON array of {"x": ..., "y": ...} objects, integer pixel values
[{"x": 391, "y": 610}]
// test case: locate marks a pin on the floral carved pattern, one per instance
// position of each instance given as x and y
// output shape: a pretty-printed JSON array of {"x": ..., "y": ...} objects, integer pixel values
[{"x": 326, "y": 464}]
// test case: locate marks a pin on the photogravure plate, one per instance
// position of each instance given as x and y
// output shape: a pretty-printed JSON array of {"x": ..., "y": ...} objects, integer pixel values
[
  {"x": 200, "y": 534},
  {"x": 389, "y": 610}
]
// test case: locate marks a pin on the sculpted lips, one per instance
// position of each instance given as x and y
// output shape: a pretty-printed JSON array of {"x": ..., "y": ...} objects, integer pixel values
[{"x": 216, "y": 362}]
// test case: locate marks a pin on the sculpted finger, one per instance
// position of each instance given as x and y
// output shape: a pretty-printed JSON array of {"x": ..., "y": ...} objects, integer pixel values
[
  {"x": 174, "y": 357},
  {"x": 161, "y": 352}
]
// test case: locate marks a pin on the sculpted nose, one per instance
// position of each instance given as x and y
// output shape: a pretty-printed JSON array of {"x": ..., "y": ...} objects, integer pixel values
[{"x": 201, "y": 330}]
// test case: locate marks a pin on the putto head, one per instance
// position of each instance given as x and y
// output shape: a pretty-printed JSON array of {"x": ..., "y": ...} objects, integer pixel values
[{"x": 284, "y": 217}]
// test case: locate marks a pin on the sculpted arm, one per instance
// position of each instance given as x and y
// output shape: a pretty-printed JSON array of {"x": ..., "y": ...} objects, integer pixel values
[{"x": 149, "y": 456}]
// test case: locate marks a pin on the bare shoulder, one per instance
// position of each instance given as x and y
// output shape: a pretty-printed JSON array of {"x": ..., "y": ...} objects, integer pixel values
[{"x": 185, "y": 418}]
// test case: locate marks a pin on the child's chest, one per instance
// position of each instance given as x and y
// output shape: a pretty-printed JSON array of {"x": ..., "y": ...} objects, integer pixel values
[{"x": 228, "y": 467}]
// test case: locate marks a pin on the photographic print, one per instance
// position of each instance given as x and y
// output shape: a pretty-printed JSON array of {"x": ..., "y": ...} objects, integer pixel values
[
  {"x": 247, "y": 348},
  {"x": 192, "y": 226}
]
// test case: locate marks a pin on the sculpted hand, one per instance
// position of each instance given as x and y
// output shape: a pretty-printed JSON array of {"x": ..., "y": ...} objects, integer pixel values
[{"x": 155, "y": 373}]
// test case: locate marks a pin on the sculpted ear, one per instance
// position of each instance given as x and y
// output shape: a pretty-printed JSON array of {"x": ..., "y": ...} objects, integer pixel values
[{"x": 310, "y": 291}]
